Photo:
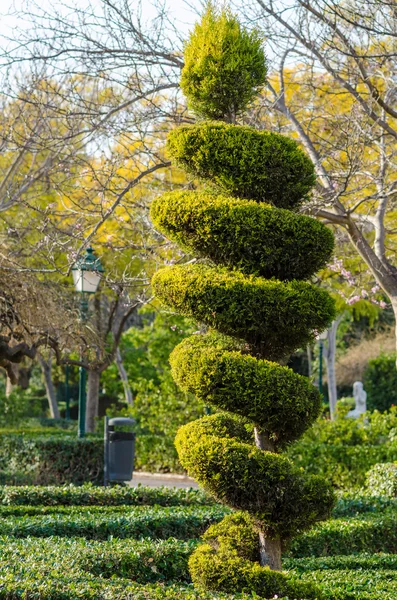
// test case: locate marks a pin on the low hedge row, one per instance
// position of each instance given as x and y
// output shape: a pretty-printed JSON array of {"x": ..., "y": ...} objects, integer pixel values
[
  {"x": 51, "y": 459},
  {"x": 351, "y": 504},
  {"x": 37, "y": 584},
  {"x": 142, "y": 521},
  {"x": 56, "y": 457},
  {"x": 79, "y": 511},
  {"x": 89, "y": 495},
  {"x": 354, "y": 577},
  {"x": 144, "y": 561},
  {"x": 348, "y": 504},
  {"x": 48, "y": 457},
  {"x": 367, "y": 533},
  {"x": 35, "y": 568}
]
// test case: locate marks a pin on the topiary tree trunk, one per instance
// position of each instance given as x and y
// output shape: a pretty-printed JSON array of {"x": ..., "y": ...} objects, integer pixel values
[{"x": 249, "y": 288}]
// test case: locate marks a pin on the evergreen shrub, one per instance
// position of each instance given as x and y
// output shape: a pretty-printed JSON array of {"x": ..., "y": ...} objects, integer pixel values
[
  {"x": 90, "y": 495},
  {"x": 344, "y": 450},
  {"x": 274, "y": 397},
  {"x": 255, "y": 238},
  {"x": 225, "y": 66},
  {"x": 227, "y": 572},
  {"x": 240, "y": 161},
  {"x": 272, "y": 316},
  {"x": 235, "y": 455},
  {"x": 380, "y": 381},
  {"x": 31, "y": 457},
  {"x": 382, "y": 480}
]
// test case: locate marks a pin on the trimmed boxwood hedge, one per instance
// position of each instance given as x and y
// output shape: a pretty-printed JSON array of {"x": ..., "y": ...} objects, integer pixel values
[
  {"x": 366, "y": 533},
  {"x": 117, "y": 569},
  {"x": 244, "y": 162},
  {"x": 89, "y": 495},
  {"x": 28, "y": 457},
  {"x": 254, "y": 238},
  {"x": 142, "y": 521},
  {"x": 356, "y": 577},
  {"x": 51, "y": 459},
  {"x": 276, "y": 318}
]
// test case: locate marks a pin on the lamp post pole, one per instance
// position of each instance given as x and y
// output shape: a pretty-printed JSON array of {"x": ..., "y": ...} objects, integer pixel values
[
  {"x": 87, "y": 273},
  {"x": 82, "y": 400},
  {"x": 82, "y": 375},
  {"x": 67, "y": 393}
]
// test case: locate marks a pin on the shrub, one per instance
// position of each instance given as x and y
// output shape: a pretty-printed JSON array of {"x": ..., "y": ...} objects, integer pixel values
[
  {"x": 356, "y": 577},
  {"x": 352, "y": 504},
  {"x": 141, "y": 521},
  {"x": 277, "y": 399},
  {"x": 89, "y": 495},
  {"x": 276, "y": 318},
  {"x": 227, "y": 572},
  {"x": 270, "y": 487},
  {"x": 255, "y": 238},
  {"x": 236, "y": 458},
  {"x": 380, "y": 381},
  {"x": 367, "y": 533},
  {"x": 17, "y": 407},
  {"x": 382, "y": 480},
  {"x": 240, "y": 161},
  {"x": 345, "y": 449},
  {"x": 224, "y": 66},
  {"x": 52, "y": 459}
]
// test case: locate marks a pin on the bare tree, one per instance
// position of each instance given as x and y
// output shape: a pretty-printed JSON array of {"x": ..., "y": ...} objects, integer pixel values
[
  {"x": 88, "y": 96},
  {"x": 46, "y": 366},
  {"x": 341, "y": 103}
]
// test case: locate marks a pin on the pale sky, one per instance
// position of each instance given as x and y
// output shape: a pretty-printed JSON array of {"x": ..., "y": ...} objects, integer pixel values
[{"x": 181, "y": 10}]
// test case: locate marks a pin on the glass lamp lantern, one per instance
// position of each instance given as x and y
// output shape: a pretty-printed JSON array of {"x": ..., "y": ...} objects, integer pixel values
[{"x": 87, "y": 273}]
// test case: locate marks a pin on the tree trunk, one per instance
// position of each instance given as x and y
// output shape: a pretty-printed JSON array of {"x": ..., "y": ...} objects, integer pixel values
[
  {"x": 24, "y": 374},
  {"x": 262, "y": 441},
  {"x": 124, "y": 378},
  {"x": 49, "y": 386},
  {"x": 330, "y": 353},
  {"x": 269, "y": 550},
  {"x": 9, "y": 387},
  {"x": 91, "y": 414},
  {"x": 393, "y": 300}
]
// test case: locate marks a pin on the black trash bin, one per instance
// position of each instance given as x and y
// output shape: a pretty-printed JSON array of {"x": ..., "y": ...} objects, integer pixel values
[{"x": 119, "y": 450}]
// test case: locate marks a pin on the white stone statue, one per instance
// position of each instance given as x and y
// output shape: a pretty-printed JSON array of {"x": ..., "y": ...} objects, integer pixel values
[{"x": 360, "y": 398}]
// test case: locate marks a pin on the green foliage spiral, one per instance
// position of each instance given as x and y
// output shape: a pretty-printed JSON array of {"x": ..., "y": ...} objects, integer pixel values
[{"x": 249, "y": 289}]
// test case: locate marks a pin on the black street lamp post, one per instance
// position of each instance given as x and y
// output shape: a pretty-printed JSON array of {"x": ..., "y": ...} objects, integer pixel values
[{"x": 87, "y": 273}]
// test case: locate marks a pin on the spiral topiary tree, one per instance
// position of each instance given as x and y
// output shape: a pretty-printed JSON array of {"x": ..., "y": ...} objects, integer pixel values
[{"x": 247, "y": 287}]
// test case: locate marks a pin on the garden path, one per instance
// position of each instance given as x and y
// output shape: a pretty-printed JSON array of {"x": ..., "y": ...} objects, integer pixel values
[{"x": 162, "y": 479}]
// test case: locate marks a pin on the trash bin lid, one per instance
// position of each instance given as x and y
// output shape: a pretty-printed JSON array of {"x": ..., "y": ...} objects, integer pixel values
[{"x": 121, "y": 421}]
